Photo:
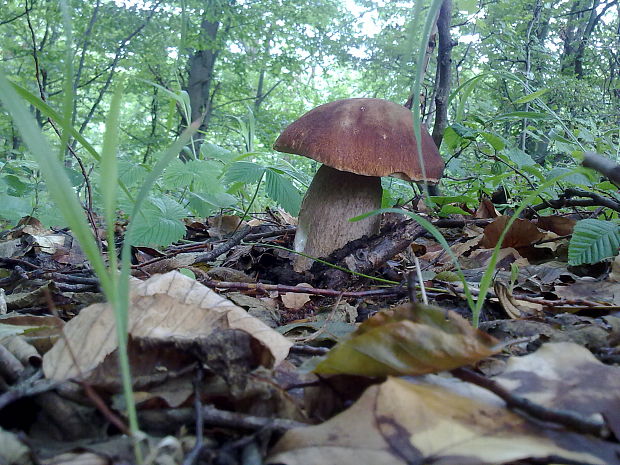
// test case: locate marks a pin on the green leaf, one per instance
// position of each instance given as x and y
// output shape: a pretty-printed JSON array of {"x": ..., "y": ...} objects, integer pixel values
[
  {"x": 161, "y": 224},
  {"x": 209, "y": 150},
  {"x": 467, "y": 88},
  {"x": 535, "y": 170},
  {"x": 574, "y": 178},
  {"x": 518, "y": 157},
  {"x": 244, "y": 171},
  {"x": 451, "y": 139},
  {"x": 495, "y": 141},
  {"x": 468, "y": 6},
  {"x": 464, "y": 131},
  {"x": 206, "y": 203},
  {"x": 522, "y": 114},
  {"x": 593, "y": 241},
  {"x": 131, "y": 172},
  {"x": 530, "y": 97},
  {"x": 14, "y": 208},
  {"x": 187, "y": 272},
  {"x": 607, "y": 186},
  {"x": 452, "y": 210},
  {"x": 17, "y": 187},
  {"x": 447, "y": 199},
  {"x": 281, "y": 189},
  {"x": 200, "y": 174}
]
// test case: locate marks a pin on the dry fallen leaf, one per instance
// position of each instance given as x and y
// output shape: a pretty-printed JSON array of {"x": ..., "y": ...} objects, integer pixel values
[
  {"x": 560, "y": 225},
  {"x": 486, "y": 209},
  {"x": 408, "y": 340},
  {"x": 399, "y": 423},
  {"x": 604, "y": 292},
  {"x": 296, "y": 300},
  {"x": 567, "y": 376},
  {"x": 169, "y": 309},
  {"x": 514, "y": 307},
  {"x": 522, "y": 233}
]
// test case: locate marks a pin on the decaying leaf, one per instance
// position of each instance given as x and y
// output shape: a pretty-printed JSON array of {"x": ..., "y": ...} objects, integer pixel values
[
  {"x": 399, "y": 423},
  {"x": 567, "y": 376},
  {"x": 224, "y": 225},
  {"x": 480, "y": 258},
  {"x": 169, "y": 309},
  {"x": 604, "y": 292},
  {"x": 409, "y": 340},
  {"x": 296, "y": 300},
  {"x": 514, "y": 307},
  {"x": 486, "y": 209},
  {"x": 560, "y": 225},
  {"x": 522, "y": 233}
]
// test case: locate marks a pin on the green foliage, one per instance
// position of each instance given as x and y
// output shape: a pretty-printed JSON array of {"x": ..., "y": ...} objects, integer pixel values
[
  {"x": 593, "y": 241},
  {"x": 523, "y": 108},
  {"x": 61, "y": 191},
  {"x": 160, "y": 223},
  {"x": 281, "y": 189}
]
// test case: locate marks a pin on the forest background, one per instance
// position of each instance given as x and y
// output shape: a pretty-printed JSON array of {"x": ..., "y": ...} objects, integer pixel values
[{"x": 519, "y": 90}]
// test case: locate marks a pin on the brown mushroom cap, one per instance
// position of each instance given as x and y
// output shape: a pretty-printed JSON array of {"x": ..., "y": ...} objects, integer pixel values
[{"x": 367, "y": 136}]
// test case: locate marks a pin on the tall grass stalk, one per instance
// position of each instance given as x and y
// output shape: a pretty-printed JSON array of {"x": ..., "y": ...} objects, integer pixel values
[
  {"x": 115, "y": 285},
  {"x": 487, "y": 277},
  {"x": 429, "y": 21},
  {"x": 467, "y": 88}
]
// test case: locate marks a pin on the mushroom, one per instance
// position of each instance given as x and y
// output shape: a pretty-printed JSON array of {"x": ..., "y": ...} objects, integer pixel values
[{"x": 358, "y": 140}]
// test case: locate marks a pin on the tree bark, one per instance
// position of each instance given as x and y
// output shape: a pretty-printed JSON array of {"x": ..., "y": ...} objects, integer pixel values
[
  {"x": 583, "y": 19},
  {"x": 444, "y": 71},
  {"x": 201, "y": 68}
]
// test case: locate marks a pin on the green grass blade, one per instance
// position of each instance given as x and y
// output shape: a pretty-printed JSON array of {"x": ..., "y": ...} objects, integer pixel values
[
  {"x": 431, "y": 18},
  {"x": 67, "y": 87},
  {"x": 436, "y": 234},
  {"x": 109, "y": 173},
  {"x": 49, "y": 112},
  {"x": 58, "y": 183}
]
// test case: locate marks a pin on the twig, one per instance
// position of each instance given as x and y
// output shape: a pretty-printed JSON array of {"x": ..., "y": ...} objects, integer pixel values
[
  {"x": 265, "y": 288},
  {"x": 17, "y": 261},
  {"x": 29, "y": 387},
  {"x": 250, "y": 237},
  {"x": 569, "y": 419},
  {"x": 234, "y": 240},
  {"x": 566, "y": 200},
  {"x": 309, "y": 350},
  {"x": 216, "y": 417},
  {"x": 191, "y": 458}
]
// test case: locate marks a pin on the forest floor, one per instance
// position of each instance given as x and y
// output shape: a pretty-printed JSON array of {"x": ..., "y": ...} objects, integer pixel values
[{"x": 237, "y": 358}]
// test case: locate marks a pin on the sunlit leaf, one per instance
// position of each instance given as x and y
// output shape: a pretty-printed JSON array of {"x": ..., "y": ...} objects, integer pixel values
[
  {"x": 593, "y": 241},
  {"x": 530, "y": 97},
  {"x": 409, "y": 340}
]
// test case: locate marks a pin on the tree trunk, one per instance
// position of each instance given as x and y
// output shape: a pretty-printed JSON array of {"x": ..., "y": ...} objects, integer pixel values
[
  {"x": 444, "y": 71},
  {"x": 201, "y": 68},
  {"x": 583, "y": 19}
]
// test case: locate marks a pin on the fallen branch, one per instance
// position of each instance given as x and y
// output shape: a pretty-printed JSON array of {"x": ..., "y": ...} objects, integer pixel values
[
  {"x": 266, "y": 288},
  {"x": 569, "y": 419}
]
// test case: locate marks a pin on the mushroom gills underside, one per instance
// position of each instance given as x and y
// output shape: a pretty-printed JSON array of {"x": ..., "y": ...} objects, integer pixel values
[{"x": 331, "y": 200}]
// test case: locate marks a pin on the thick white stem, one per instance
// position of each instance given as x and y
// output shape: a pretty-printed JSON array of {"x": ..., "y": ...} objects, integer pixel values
[{"x": 333, "y": 197}]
